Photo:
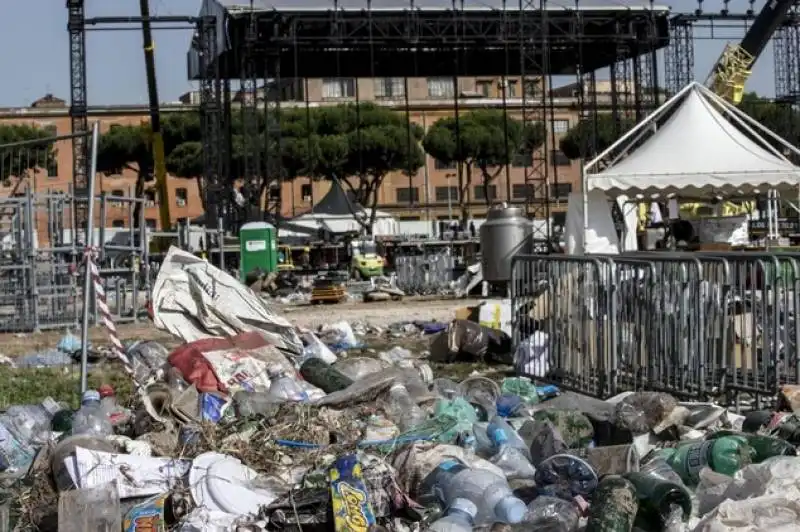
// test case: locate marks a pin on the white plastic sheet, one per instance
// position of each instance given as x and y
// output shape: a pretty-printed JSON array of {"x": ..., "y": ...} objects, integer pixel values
[{"x": 193, "y": 300}]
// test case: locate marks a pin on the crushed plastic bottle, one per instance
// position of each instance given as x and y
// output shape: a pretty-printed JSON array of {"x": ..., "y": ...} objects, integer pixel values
[
  {"x": 284, "y": 387},
  {"x": 489, "y": 492},
  {"x": 402, "y": 409},
  {"x": 91, "y": 419},
  {"x": 22, "y": 429},
  {"x": 512, "y": 438},
  {"x": 460, "y": 517}
]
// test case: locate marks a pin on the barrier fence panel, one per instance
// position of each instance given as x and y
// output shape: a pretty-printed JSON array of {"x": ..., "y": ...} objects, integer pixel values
[
  {"x": 42, "y": 251},
  {"x": 696, "y": 325},
  {"x": 424, "y": 274}
]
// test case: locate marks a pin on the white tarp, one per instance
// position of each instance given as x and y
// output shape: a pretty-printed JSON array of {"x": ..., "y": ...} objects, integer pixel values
[
  {"x": 193, "y": 300},
  {"x": 699, "y": 151},
  {"x": 601, "y": 236}
]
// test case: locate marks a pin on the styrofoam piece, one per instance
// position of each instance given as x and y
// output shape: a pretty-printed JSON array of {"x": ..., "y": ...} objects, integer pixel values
[{"x": 222, "y": 483}]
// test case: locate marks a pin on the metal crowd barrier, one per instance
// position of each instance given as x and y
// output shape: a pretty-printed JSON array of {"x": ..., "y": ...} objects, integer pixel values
[
  {"x": 424, "y": 274},
  {"x": 700, "y": 325}
]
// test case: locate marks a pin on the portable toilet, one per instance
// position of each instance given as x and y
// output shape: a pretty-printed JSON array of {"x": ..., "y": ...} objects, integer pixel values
[{"x": 258, "y": 248}]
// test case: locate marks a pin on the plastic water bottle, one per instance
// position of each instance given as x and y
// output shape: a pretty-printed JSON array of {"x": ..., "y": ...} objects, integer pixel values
[
  {"x": 460, "y": 517},
  {"x": 22, "y": 429},
  {"x": 488, "y": 492},
  {"x": 512, "y": 438},
  {"x": 284, "y": 387},
  {"x": 91, "y": 419},
  {"x": 510, "y": 459},
  {"x": 403, "y": 410}
]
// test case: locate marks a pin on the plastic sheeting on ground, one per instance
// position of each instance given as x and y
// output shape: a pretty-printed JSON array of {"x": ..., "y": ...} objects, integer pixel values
[{"x": 193, "y": 300}]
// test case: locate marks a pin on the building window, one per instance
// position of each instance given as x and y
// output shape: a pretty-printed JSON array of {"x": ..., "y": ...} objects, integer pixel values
[
  {"x": 559, "y": 159},
  {"x": 522, "y": 159},
  {"x": 441, "y": 88},
  {"x": 181, "y": 197},
  {"x": 512, "y": 91},
  {"x": 149, "y": 198},
  {"x": 51, "y": 163},
  {"x": 560, "y": 126},
  {"x": 446, "y": 194},
  {"x": 481, "y": 190},
  {"x": 409, "y": 218},
  {"x": 532, "y": 87},
  {"x": 305, "y": 192},
  {"x": 150, "y": 223},
  {"x": 484, "y": 88},
  {"x": 561, "y": 190},
  {"x": 439, "y": 165},
  {"x": 118, "y": 192},
  {"x": 336, "y": 88},
  {"x": 274, "y": 192},
  {"x": 387, "y": 88},
  {"x": 118, "y": 224},
  {"x": 522, "y": 191},
  {"x": 407, "y": 195}
]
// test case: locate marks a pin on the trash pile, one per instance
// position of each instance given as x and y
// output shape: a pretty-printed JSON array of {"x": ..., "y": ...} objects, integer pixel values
[{"x": 252, "y": 425}]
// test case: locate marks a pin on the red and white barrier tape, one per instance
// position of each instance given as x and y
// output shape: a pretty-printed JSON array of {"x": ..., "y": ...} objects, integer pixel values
[{"x": 105, "y": 313}]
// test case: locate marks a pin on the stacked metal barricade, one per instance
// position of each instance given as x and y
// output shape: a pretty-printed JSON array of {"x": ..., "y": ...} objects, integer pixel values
[
  {"x": 698, "y": 325},
  {"x": 424, "y": 274}
]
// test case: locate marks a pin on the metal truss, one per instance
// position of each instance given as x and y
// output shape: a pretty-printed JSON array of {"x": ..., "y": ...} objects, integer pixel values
[
  {"x": 679, "y": 55},
  {"x": 78, "y": 111},
  {"x": 251, "y": 153},
  {"x": 534, "y": 51},
  {"x": 212, "y": 118},
  {"x": 786, "y": 46},
  {"x": 273, "y": 167}
]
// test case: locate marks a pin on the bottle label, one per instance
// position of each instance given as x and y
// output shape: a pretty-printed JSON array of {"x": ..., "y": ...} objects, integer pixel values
[{"x": 697, "y": 457}]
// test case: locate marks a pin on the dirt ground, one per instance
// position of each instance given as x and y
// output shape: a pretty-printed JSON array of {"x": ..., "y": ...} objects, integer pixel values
[{"x": 379, "y": 314}]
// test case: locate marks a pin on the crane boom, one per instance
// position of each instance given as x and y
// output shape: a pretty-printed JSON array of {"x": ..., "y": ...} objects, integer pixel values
[
  {"x": 733, "y": 68},
  {"x": 157, "y": 139}
]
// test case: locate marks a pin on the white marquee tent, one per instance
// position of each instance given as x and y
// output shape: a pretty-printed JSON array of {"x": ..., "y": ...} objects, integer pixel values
[{"x": 699, "y": 146}]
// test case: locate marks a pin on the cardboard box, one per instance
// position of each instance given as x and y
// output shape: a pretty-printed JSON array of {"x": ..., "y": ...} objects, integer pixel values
[{"x": 496, "y": 314}]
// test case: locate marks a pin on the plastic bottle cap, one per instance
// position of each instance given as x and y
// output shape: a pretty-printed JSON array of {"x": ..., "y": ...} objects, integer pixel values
[
  {"x": 466, "y": 506},
  {"x": 90, "y": 396},
  {"x": 499, "y": 436},
  {"x": 511, "y": 510}
]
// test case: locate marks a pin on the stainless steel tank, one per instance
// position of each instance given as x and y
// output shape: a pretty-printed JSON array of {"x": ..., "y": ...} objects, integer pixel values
[{"x": 505, "y": 233}]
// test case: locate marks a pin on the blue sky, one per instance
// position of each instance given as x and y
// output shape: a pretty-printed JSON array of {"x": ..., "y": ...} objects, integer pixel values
[{"x": 35, "y": 58}]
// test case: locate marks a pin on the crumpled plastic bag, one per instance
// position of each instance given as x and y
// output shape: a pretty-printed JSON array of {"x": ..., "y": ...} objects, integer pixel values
[
  {"x": 339, "y": 336},
  {"x": 775, "y": 514},
  {"x": 467, "y": 340},
  {"x": 532, "y": 356},
  {"x": 313, "y": 347},
  {"x": 544, "y": 440},
  {"x": 777, "y": 476},
  {"x": 642, "y": 412},
  {"x": 148, "y": 359}
]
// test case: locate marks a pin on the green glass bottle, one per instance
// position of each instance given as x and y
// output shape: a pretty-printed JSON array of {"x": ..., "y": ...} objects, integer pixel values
[
  {"x": 614, "y": 506},
  {"x": 763, "y": 446},
  {"x": 658, "y": 500},
  {"x": 725, "y": 455},
  {"x": 324, "y": 376}
]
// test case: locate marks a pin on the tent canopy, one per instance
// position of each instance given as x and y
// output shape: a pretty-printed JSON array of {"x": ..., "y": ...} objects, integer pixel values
[
  {"x": 337, "y": 202},
  {"x": 702, "y": 147}
]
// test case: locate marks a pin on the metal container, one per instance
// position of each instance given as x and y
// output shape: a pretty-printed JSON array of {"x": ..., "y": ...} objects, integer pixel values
[{"x": 505, "y": 233}]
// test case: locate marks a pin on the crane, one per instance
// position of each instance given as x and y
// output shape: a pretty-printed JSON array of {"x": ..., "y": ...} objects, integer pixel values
[
  {"x": 733, "y": 68},
  {"x": 156, "y": 137}
]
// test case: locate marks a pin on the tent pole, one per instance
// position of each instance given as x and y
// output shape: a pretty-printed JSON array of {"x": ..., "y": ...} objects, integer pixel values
[
  {"x": 741, "y": 115},
  {"x": 638, "y": 127}
]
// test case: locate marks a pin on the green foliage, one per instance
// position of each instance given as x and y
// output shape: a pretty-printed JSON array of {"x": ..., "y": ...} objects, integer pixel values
[
  {"x": 593, "y": 136},
  {"x": 17, "y": 161},
  {"x": 484, "y": 140},
  {"x": 782, "y": 120},
  {"x": 359, "y": 145}
]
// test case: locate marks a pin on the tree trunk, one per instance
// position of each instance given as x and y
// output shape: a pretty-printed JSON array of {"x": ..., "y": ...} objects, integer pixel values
[
  {"x": 465, "y": 182},
  {"x": 202, "y": 192}
]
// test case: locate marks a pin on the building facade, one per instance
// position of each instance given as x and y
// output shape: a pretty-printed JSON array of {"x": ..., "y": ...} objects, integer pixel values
[{"x": 430, "y": 194}]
